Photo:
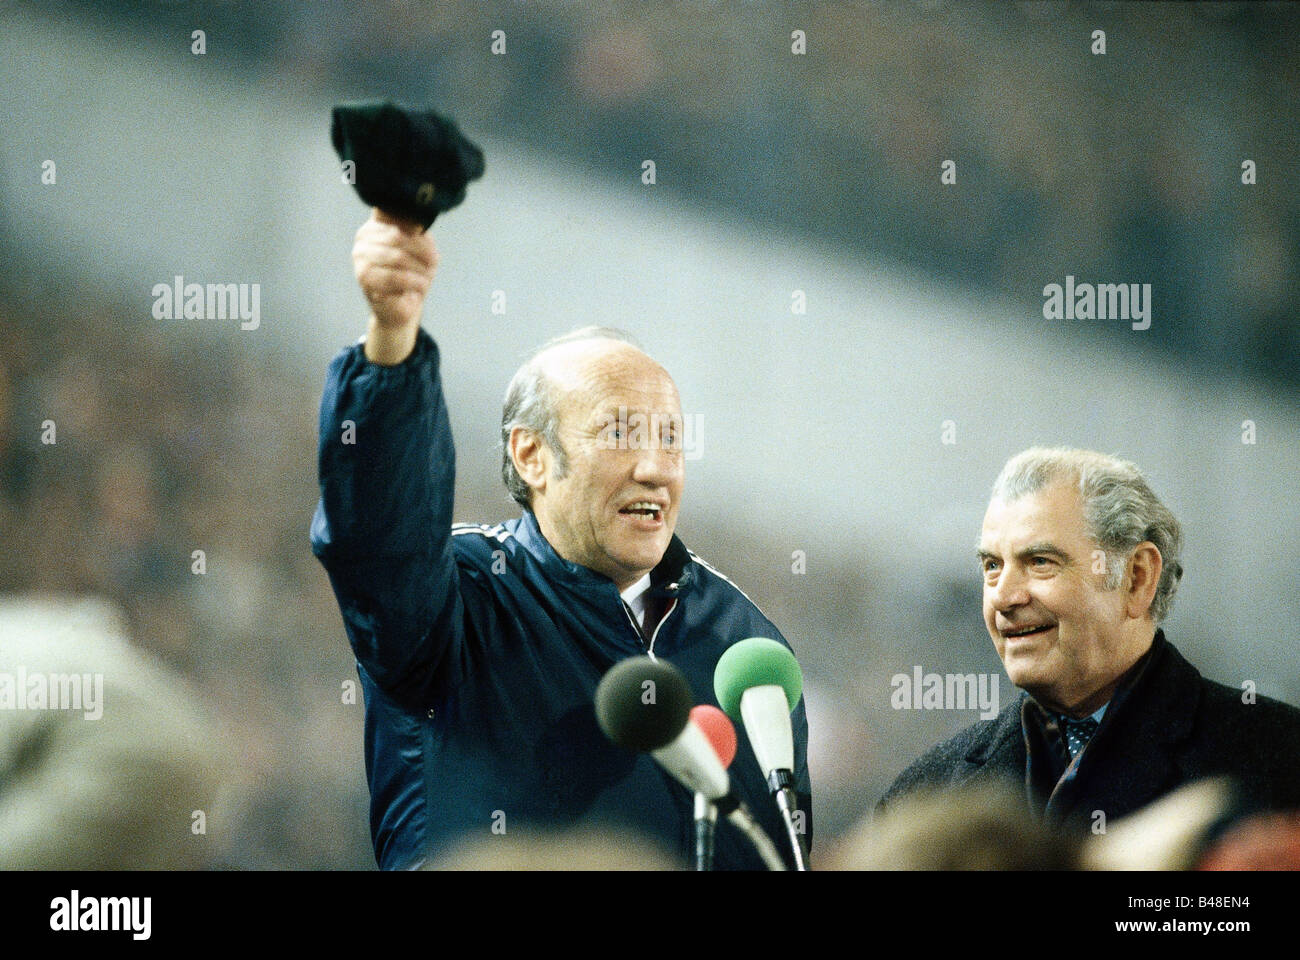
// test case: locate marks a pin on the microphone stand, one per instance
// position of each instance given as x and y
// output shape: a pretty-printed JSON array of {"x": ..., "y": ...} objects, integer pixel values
[
  {"x": 781, "y": 783},
  {"x": 706, "y": 821},
  {"x": 738, "y": 815}
]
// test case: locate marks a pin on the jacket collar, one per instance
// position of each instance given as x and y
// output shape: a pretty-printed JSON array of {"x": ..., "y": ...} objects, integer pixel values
[
  {"x": 673, "y": 574},
  {"x": 1158, "y": 704}
]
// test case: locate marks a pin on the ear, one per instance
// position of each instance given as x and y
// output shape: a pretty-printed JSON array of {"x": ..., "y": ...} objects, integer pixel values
[
  {"x": 1143, "y": 577},
  {"x": 531, "y": 458}
]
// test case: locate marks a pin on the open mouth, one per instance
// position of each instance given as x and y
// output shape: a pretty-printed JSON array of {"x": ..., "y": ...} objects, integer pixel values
[{"x": 644, "y": 509}]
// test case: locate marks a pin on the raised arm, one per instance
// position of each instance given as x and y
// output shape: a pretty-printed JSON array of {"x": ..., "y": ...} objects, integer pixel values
[
  {"x": 382, "y": 527},
  {"x": 394, "y": 261}
]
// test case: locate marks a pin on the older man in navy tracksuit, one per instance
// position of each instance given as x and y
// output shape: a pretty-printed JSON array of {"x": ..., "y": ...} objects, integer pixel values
[{"x": 480, "y": 647}]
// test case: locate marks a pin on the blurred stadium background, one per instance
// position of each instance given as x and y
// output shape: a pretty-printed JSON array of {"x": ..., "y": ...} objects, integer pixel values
[{"x": 821, "y": 432}]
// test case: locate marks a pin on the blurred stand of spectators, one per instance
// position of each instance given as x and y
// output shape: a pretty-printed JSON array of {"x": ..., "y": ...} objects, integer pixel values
[
  {"x": 164, "y": 447},
  {"x": 1111, "y": 167}
]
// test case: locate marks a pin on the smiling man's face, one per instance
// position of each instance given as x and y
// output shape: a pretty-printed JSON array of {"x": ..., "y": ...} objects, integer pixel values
[
  {"x": 615, "y": 507},
  {"x": 1060, "y": 632}
]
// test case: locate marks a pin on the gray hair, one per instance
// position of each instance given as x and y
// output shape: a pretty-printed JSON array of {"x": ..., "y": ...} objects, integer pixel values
[
  {"x": 532, "y": 402},
  {"x": 1118, "y": 505}
]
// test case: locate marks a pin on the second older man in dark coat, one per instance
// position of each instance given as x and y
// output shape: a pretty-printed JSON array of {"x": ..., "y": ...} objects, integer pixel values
[{"x": 1080, "y": 565}]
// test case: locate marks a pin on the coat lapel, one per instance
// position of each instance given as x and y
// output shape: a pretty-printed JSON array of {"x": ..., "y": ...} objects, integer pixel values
[
  {"x": 1000, "y": 752},
  {"x": 1135, "y": 758}
]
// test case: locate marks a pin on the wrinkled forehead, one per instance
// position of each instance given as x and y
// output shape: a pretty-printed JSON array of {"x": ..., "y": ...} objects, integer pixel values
[
  {"x": 1053, "y": 513},
  {"x": 600, "y": 376}
]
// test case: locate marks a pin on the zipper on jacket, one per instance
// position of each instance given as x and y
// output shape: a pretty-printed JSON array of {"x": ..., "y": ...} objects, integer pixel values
[
  {"x": 662, "y": 620},
  {"x": 636, "y": 628},
  {"x": 640, "y": 634}
]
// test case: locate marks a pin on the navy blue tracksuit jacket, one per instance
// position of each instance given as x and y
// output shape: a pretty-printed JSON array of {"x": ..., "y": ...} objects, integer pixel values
[{"x": 479, "y": 648}]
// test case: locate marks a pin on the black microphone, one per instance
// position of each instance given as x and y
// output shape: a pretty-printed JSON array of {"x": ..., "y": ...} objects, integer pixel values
[{"x": 644, "y": 705}]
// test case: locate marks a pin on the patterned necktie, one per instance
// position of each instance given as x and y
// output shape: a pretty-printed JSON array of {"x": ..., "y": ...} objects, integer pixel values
[{"x": 1078, "y": 733}]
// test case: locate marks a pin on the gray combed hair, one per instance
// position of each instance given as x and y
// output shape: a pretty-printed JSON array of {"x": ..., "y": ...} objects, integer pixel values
[
  {"x": 1118, "y": 505},
  {"x": 532, "y": 402}
]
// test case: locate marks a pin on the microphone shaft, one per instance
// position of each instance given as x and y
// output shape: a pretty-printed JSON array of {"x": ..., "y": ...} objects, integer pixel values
[
  {"x": 788, "y": 803},
  {"x": 706, "y": 820}
]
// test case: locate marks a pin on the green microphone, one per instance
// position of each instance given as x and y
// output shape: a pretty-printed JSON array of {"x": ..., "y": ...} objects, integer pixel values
[{"x": 758, "y": 682}]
